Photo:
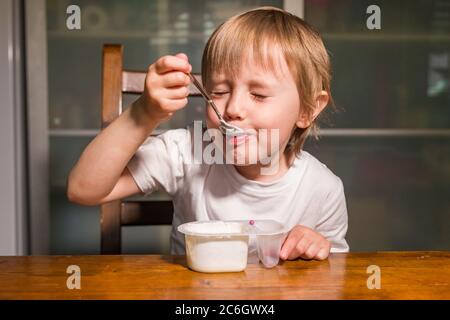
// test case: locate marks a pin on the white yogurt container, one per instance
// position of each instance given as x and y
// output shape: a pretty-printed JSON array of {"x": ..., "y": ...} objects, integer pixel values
[{"x": 222, "y": 246}]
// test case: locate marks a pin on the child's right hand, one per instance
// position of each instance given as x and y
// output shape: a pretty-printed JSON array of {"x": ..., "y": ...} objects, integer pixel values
[{"x": 166, "y": 87}]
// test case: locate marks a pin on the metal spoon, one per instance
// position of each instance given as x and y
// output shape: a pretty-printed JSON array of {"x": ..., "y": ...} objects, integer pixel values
[{"x": 225, "y": 127}]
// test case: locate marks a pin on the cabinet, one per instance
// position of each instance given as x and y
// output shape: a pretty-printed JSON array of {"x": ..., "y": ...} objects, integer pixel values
[{"x": 389, "y": 140}]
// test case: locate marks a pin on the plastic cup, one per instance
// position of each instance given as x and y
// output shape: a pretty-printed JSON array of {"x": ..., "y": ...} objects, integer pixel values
[{"x": 270, "y": 236}]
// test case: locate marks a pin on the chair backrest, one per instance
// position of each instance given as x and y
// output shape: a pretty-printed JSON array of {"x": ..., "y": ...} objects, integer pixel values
[{"x": 115, "y": 214}]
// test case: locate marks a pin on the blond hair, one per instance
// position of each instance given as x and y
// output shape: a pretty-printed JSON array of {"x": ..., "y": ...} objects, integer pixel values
[{"x": 264, "y": 30}]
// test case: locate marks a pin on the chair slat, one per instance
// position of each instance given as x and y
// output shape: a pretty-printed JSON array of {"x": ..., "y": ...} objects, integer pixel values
[
  {"x": 112, "y": 83},
  {"x": 133, "y": 82},
  {"x": 146, "y": 213},
  {"x": 110, "y": 228}
]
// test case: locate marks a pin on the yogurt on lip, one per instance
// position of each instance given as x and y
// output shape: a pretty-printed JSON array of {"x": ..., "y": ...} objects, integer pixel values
[
  {"x": 237, "y": 140},
  {"x": 241, "y": 139}
]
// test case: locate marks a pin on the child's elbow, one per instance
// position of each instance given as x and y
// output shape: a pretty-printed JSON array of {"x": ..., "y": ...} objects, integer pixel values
[{"x": 78, "y": 194}]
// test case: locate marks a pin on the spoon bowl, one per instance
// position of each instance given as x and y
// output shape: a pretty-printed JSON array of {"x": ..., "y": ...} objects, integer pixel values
[{"x": 225, "y": 127}]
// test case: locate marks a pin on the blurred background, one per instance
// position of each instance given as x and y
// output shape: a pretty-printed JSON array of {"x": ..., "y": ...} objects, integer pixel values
[{"x": 388, "y": 139}]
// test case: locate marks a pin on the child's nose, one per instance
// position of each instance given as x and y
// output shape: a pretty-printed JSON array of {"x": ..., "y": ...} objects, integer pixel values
[{"x": 235, "y": 109}]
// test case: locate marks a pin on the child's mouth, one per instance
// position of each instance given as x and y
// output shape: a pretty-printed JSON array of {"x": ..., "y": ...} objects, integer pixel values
[{"x": 238, "y": 140}]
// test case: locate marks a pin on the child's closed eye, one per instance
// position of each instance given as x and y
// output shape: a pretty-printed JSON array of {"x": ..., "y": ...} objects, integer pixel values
[
  {"x": 219, "y": 93},
  {"x": 258, "y": 97}
]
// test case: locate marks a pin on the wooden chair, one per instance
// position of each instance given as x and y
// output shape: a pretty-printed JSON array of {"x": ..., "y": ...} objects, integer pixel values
[{"x": 115, "y": 214}]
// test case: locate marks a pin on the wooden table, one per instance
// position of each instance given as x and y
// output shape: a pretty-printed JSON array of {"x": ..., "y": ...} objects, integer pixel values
[{"x": 404, "y": 275}]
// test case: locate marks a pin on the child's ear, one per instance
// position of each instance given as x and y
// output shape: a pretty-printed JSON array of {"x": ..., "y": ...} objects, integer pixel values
[{"x": 305, "y": 120}]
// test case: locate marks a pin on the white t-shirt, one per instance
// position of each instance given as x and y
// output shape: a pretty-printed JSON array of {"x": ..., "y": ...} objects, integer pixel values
[{"x": 308, "y": 193}]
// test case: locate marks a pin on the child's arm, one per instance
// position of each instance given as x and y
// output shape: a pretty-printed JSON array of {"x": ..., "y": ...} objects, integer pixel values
[{"x": 100, "y": 175}]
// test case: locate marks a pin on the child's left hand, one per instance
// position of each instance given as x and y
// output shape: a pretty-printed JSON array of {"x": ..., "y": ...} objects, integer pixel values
[{"x": 303, "y": 242}]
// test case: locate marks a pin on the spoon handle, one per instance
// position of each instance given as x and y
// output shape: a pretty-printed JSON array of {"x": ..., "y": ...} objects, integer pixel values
[{"x": 205, "y": 95}]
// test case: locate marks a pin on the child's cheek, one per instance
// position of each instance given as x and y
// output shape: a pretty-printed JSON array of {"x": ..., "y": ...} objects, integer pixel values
[{"x": 211, "y": 118}]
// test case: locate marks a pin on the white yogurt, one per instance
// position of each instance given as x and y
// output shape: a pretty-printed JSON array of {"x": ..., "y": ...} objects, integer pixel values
[{"x": 215, "y": 246}]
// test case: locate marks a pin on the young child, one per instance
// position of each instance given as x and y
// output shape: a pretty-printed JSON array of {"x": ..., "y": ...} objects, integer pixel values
[{"x": 265, "y": 69}]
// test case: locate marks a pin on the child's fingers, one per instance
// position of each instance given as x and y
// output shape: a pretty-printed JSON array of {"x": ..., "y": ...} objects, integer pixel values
[
  {"x": 290, "y": 243},
  {"x": 311, "y": 252},
  {"x": 301, "y": 247},
  {"x": 322, "y": 254},
  {"x": 175, "y": 79},
  {"x": 182, "y": 56},
  {"x": 172, "y": 63},
  {"x": 172, "y": 105},
  {"x": 176, "y": 92}
]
